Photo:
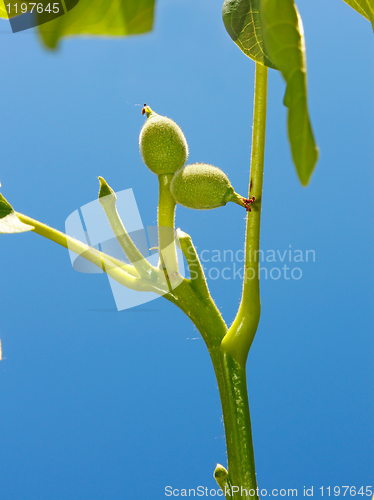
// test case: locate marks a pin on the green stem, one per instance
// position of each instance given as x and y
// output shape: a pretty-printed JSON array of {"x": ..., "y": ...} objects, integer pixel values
[
  {"x": 229, "y": 363},
  {"x": 231, "y": 379},
  {"x": 242, "y": 332},
  {"x": 123, "y": 273},
  {"x": 202, "y": 311},
  {"x": 232, "y": 386},
  {"x": 197, "y": 281},
  {"x": 166, "y": 238},
  {"x": 192, "y": 296},
  {"x": 108, "y": 202}
]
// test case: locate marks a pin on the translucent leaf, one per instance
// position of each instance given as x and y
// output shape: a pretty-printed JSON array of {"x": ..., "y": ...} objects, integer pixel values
[
  {"x": 102, "y": 18},
  {"x": 284, "y": 42},
  {"x": 363, "y": 7},
  {"x": 242, "y": 22},
  {"x": 9, "y": 222}
]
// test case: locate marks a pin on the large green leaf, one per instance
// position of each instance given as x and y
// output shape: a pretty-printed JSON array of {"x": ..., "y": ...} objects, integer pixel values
[
  {"x": 363, "y": 7},
  {"x": 242, "y": 22},
  {"x": 101, "y": 17},
  {"x": 284, "y": 42},
  {"x": 9, "y": 222}
]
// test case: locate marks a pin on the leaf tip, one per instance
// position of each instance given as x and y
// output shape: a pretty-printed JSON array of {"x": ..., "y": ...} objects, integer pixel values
[
  {"x": 105, "y": 190},
  {"x": 306, "y": 173}
]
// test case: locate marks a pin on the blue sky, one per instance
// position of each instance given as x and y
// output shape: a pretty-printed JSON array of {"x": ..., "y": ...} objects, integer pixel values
[{"x": 101, "y": 404}]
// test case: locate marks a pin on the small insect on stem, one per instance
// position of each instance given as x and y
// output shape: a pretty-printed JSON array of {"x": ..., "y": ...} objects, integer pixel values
[{"x": 143, "y": 110}]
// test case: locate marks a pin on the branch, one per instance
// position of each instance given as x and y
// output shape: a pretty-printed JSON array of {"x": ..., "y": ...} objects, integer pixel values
[
  {"x": 122, "y": 273},
  {"x": 107, "y": 199},
  {"x": 240, "y": 336}
]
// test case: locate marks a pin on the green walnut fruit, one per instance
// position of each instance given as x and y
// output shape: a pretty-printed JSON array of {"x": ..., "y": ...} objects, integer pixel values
[
  {"x": 202, "y": 187},
  {"x": 162, "y": 144}
]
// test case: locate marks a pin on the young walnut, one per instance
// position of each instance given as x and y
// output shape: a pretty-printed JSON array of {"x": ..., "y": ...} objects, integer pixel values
[
  {"x": 202, "y": 187},
  {"x": 162, "y": 144}
]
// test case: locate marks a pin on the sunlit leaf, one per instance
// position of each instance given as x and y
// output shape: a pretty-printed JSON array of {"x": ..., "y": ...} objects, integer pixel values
[
  {"x": 9, "y": 222},
  {"x": 242, "y": 22},
  {"x": 102, "y": 18},
  {"x": 363, "y": 7},
  {"x": 284, "y": 42}
]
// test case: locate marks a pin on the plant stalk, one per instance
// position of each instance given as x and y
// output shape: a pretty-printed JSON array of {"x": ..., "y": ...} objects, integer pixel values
[
  {"x": 232, "y": 386},
  {"x": 123, "y": 273},
  {"x": 230, "y": 364},
  {"x": 243, "y": 330},
  {"x": 108, "y": 203},
  {"x": 166, "y": 237}
]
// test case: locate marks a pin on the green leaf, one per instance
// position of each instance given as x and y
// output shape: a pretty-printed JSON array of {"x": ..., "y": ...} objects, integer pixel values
[
  {"x": 242, "y": 22},
  {"x": 363, "y": 7},
  {"x": 106, "y": 190},
  {"x": 9, "y": 222},
  {"x": 284, "y": 41},
  {"x": 100, "y": 17}
]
